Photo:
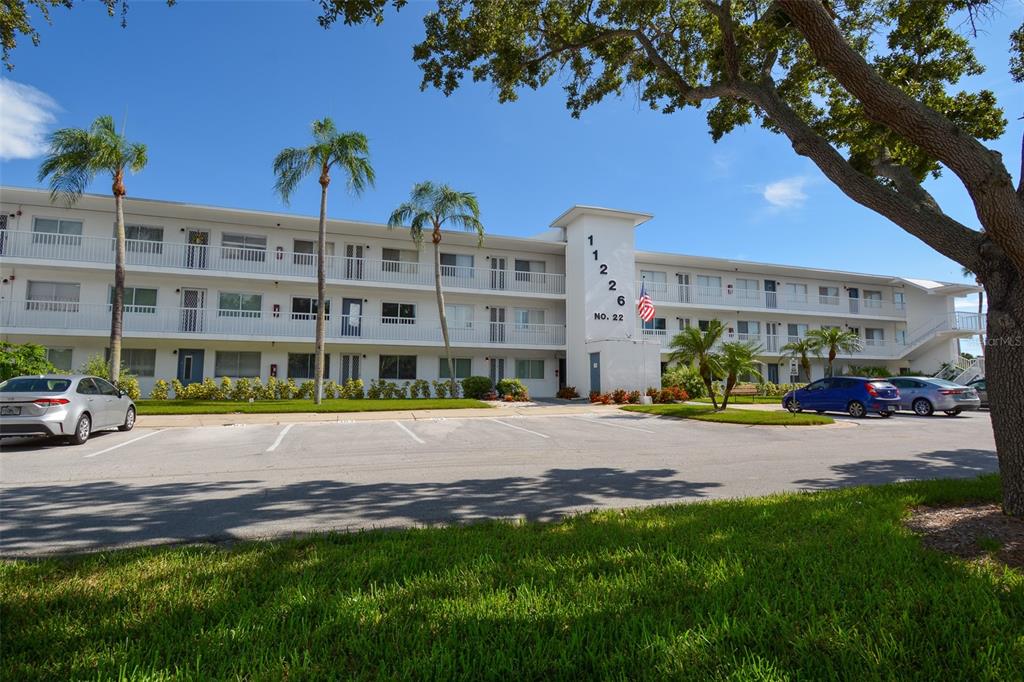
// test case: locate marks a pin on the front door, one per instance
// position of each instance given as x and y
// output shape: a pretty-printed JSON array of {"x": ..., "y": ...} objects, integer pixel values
[
  {"x": 351, "y": 316},
  {"x": 193, "y": 301},
  {"x": 497, "y": 370},
  {"x": 595, "y": 372},
  {"x": 770, "y": 297},
  {"x": 771, "y": 338},
  {"x": 561, "y": 372},
  {"x": 190, "y": 365},
  {"x": 197, "y": 249},
  {"x": 773, "y": 373},
  {"x": 683, "y": 280},
  {"x": 498, "y": 266},
  {"x": 854, "y": 295},
  {"x": 353, "y": 261},
  {"x": 497, "y": 325}
]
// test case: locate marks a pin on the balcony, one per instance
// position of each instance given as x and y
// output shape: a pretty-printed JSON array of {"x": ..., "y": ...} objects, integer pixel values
[
  {"x": 199, "y": 258},
  {"x": 743, "y": 299},
  {"x": 771, "y": 344},
  {"x": 145, "y": 321}
]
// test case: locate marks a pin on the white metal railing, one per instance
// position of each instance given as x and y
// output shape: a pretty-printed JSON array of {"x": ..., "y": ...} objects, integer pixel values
[
  {"x": 186, "y": 322},
  {"x": 690, "y": 294},
  {"x": 772, "y": 344},
  {"x": 270, "y": 262}
]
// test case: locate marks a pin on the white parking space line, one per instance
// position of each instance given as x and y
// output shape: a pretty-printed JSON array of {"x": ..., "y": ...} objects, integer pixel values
[
  {"x": 411, "y": 434},
  {"x": 605, "y": 422},
  {"x": 520, "y": 428},
  {"x": 121, "y": 445},
  {"x": 280, "y": 437}
]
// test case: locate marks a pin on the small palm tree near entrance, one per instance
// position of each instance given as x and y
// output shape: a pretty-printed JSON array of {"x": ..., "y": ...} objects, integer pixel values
[
  {"x": 348, "y": 151},
  {"x": 738, "y": 359},
  {"x": 835, "y": 341},
  {"x": 74, "y": 159},
  {"x": 432, "y": 206},
  {"x": 697, "y": 348},
  {"x": 801, "y": 350}
]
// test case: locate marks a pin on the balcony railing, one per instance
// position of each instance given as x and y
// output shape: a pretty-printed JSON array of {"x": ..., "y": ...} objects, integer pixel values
[
  {"x": 840, "y": 306},
  {"x": 772, "y": 344},
  {"x": 187, "y": 322},
  {"x": 270, "y": 262}
]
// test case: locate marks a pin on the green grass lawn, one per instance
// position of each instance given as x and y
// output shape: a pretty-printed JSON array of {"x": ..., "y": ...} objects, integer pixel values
[
  {"x": 269, "y": 406},
  {"x": 826, "y": 585},
  {"x": 730, "y": 416},
  {"x": 745, "y": 400}
]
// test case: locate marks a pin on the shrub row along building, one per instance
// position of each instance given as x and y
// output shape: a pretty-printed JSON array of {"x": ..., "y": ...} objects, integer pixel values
[{"x": 228, "y": 292}]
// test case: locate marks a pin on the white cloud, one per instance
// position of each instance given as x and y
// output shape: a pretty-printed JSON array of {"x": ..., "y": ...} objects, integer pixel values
[
  {"x": 786, "y": 193},
  {"x": 25, "y": 115}
]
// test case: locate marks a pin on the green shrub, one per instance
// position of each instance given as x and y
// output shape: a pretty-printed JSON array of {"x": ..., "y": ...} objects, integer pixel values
[
  {"x": 225, "y": 391},
  {"x": 568, "y": 393},
  {"x": 98, "y": 367},
  {"x": 179, "y": 389},
  {"x": 129, "y": 383},
  {"x": 441, "y": 388},
  {"x": 514, "y": 388},
  {"x": 159, "y": 391},
  {"x": 306, "y": 390},
  {"x": 419, "y": 389},
  {"x": 373, "y": 393},
  {"x": 272, "y": 390},
  {"x": 330, "y": 390},
  {"x": 868, "y": 371},
  {"x": 17, "y": 359},
  {"x": 353, "y": 390},
  {"x": 476, "y": 387},
  {"x": 287, "y": 389},
  {"x": 686, "y": 378}
]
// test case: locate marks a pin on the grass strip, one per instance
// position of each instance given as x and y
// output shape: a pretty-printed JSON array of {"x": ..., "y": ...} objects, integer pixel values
[
  {"x": 730, "y": 416},
  {"x": 744, "y": 400},
  {"x": 146, "y": 407},
  {"x": 825, "y": 585}
]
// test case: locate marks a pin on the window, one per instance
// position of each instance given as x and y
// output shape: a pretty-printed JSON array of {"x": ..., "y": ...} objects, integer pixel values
[
  {"x": 524, "y": 268},
  {"x": 655, "y": 326},
  {"x": 237, "y": 364},
  {"x": 703, "y": 325},
  {"x": 136, "y": 300},
  {"x": 399, "y": 260},
  {"x": 143, "y": 239},
  {"x": 525, "y": 317},
  {"x": 901, "y": 337},
  {"x": 748, "y": 329},
  {"x": 239, "y": 305},
  {"x": 747, "y": 290},
  {"x": 709, "y": 282},
  {"x": 105, "y": 387},
  {"x": 459, "y": 315},
  {"x": 828, "y": 295},
  {"x": 138, "y": 361},
  {"x": 303, "y": 365},
  {"x": 397, "y": 367},
  {"x": 655, "y": 281},
  {"x": 874, "y": 336},
  {"x": 398, "y": 313},
  {"x": 60, "y": 296},
  {"x": 87, "y": 387},
  {"x": 55, "y": 231},
  {"x": 899, "y": 300},
  {"x": 684, "y": 322},
  {"x": 247, "y": 247},
  {"x": 304, "y": 308},
  {"x": 796, "y": 331},
  {"x": 456, "y": 265},
  {"x": 305, "y": 251},
  {"x": 463, "y": 368},
  {"x": 872, "y": 299},
  {"x": 349, "y": 367},
  {"x": 529, "y": 369},
  {"x": 796, "y": 293},
  {"x": 59, "y": 358}
]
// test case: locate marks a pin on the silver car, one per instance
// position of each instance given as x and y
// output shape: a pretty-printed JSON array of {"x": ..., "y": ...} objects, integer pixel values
[
  {"x": 925, "y": 395},
  {"x": 981, "y": 386},
  {"x": 65, "y": 406}
]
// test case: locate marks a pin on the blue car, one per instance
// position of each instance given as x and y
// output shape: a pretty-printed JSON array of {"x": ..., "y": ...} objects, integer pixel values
[{"x": 854, "y": 395}]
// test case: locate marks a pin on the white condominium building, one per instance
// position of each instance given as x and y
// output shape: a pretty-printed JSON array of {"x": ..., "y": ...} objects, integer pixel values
[{"x": 215, "y": 292}]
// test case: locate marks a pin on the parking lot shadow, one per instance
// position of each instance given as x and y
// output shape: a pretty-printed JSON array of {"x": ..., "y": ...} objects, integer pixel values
[
  {"x": 90, "y": 516},
  {"x": 960, "y": 463}
]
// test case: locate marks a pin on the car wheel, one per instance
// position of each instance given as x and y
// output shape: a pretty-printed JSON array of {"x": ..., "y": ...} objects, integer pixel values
[
  {"x": 793, "y": 405},
  {"x": 856, "y": 408},
  {"x": 922, "y": 407},
  {"x": 953, "y": 413},
  {"x": 82, "y": 430},
  {"x": 129, "y": 421}
]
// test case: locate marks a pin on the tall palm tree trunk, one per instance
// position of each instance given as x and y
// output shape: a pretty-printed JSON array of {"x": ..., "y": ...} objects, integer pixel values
[
  {"x": 806, "y": 364},
  {"x": 117, "y": 307},
  {"x": 440, "y": 308},
  {"x": 321, "y": 292}
]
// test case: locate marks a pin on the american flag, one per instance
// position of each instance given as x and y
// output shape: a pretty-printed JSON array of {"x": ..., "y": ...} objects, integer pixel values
[{"x": 645, "y": 306}]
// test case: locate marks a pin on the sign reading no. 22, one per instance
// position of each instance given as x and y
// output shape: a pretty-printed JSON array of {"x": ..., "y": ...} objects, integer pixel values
[{"x": 620, "y": 299}]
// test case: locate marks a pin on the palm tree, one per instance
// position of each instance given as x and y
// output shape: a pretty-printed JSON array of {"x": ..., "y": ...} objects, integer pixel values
[
  {"x": 981, "y": 307},
  {"x": 738, "y": 359},
  {"x": 75, "y": 157},
  {"x": 836, "y": 340},
  {"x": 348, "y": 151},
  {"x": 802, "y": 349},
  {"x": 431, "y": 206},
  {"x": 695, "y": 347}
]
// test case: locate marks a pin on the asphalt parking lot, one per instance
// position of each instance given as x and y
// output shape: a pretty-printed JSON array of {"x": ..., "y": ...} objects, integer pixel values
[{"x": 218, "y": 483}]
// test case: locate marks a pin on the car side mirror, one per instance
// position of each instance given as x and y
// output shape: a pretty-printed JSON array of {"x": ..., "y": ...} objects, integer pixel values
[{"x": 122, "y": 393}]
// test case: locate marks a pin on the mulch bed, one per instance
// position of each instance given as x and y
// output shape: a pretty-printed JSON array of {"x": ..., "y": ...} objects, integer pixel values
[{"x": 977, "y": 532}]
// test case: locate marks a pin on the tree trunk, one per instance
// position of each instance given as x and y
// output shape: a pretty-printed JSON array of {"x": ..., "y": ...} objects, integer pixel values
[
  {"x": 440, "y": 309},
  {"x": 806, "y": 364},
  {"x": 831, "y": 359},
  {"x": 1004, "y": 368},
  {"x": 117, "y": 305},
  {"x": 711, "y": 389},
  {"x": 730, "y": 382},
  {"x": 321, "y": 292}
]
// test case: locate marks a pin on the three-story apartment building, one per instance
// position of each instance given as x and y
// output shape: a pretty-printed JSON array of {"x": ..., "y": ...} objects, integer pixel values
[{"x": 227, "y": 292}]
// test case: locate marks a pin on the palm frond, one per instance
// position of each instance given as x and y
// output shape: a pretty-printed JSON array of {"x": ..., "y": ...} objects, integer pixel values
[
  {"x": 137, "y": 157},
  {"x": 290, "y": 166},
  {"x": 324, "y": 131}
]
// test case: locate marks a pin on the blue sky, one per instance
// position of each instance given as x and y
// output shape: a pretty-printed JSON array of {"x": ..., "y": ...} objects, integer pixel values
[{"x": 216, "y": 89}]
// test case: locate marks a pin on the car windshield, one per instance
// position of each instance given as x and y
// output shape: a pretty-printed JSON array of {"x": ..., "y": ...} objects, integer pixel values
[{"x": 34, "y": 385}]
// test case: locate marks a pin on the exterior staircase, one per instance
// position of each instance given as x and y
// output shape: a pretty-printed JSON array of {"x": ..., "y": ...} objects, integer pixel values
[{"x": 963, "y": 371}]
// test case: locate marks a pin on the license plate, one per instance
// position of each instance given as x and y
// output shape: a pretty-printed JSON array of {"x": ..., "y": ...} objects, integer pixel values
[{"x": 7, "y": 409}]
